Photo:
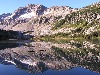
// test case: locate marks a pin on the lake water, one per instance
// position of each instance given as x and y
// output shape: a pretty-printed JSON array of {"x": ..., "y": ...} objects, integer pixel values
[{"x": 50, "y": 58}]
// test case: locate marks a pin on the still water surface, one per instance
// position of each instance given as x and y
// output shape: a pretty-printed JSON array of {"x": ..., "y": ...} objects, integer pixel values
[
  {"x": 12, "y": 70},
  {"x": 46, "y": 58}
]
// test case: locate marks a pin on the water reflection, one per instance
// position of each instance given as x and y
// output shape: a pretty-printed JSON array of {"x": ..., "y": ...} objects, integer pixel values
[{"x": 36, "y": 57}]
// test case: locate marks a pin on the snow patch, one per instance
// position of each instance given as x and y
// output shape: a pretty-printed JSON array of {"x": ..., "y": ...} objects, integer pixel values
[
  {"x": 10, "y": 62},
  {"x": 48, "y": 12},
  {"x": 98, "y": 16},
  {"x": 29, "y": 62},
  {"x": 28, "y": 15},
  {"x": 10, "y": 16}
]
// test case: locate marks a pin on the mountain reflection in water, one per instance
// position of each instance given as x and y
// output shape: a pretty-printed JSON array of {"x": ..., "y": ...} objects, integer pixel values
[{"x": 37, "y": 57}]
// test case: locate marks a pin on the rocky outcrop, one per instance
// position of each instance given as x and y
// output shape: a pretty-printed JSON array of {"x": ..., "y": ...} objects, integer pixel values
[
  {"x": 41, "y": 20},
  {"x": 23, "y": 14},
  {"x": 4, "y": 16},
  {"x": 33, "y": 16}
]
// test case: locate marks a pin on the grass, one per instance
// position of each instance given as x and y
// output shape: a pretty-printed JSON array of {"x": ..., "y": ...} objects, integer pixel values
[
  {"x": 59, "y": 39},
  {"x": 63, "y": 37},
  {"x": 58, "y": 24}
]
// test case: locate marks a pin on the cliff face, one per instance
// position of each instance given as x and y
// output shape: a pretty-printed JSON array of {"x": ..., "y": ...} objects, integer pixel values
[
  {"x": 32, "y": 10},
  {"x": 41, "y": 20},
  {"x": 4, "y": 15},
  {"x": 34, "y": 17},
  {"x": 23, "y": 14}
]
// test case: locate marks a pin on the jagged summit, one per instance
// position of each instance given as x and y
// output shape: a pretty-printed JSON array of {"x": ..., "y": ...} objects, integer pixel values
[
  {"x": 23, "y": 14},
  {"x": 28, "y": 11},
  {"x": 96, "y": 3},
  {"x": 4, "y": 15},
  {"x": 53, "y": 20},
  {"x": 59, "y": 10}
]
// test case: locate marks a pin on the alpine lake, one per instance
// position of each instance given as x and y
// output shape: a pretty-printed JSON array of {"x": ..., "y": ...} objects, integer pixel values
[{"x": 72, "y": 57}]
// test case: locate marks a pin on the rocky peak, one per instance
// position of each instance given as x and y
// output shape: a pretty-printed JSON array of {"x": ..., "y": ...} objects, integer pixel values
[
  {"x": 30, "y": 10},
  {"x": 97, "y": 3},
  {"x": 59, "y": 10},
  {"x": 39, "y": 9},
  {"x": 35, "y": 15},
  {"x": 23, "y": 14},
  {"x": 4, "y": 15}
]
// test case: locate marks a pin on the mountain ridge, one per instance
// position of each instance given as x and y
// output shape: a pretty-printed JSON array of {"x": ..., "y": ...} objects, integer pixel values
[
  {"x": 37, "y": 9},
  {"x": 57, "y": 19}
]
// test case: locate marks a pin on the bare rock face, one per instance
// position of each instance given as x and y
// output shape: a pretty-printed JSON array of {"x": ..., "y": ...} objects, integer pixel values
[
  {"x": 4, "y": 15},
  {"x": 59, "y": 11},
  {"x": 23, "y": 14},
  {"x": 40, "y": 20},
  {"x": 37, "y": 18}
]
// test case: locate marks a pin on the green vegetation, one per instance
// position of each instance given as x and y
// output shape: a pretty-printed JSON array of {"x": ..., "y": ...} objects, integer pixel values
[
  {"x": 58, "y": 24},
  {"x": 7, "y": 35},
  {"x": 79, "y": 51},
  {"x": 64, "y": 37},
  {"x": 82, "y": 17},
  {"x": 80, "y": 21},
  {"x": 79, "y": 56}
]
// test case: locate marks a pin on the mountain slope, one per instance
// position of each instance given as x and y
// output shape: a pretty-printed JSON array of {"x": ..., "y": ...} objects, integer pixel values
[
  {"x": 57, "y": 20},
  {"x": 84, "y": 23},
  {"x": 33, "y": 16},
  {"x": 22, "y": 14},
  {"x": 4, "y": 15}
]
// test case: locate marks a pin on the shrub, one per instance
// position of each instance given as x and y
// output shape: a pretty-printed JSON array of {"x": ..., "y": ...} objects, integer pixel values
[{"x": 58, "y": 24}]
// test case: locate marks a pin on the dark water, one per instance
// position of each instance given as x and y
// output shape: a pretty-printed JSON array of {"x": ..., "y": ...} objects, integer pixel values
[
  {"x": 46, "y": 58},
  {"x": 12, "y": 70}
]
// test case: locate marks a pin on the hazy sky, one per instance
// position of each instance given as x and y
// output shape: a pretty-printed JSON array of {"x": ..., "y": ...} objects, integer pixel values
[{"x": 9, "y": 6}]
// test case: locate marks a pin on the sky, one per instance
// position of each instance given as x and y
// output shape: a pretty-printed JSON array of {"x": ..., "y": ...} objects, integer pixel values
[{"x": 9, "y": 6}]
